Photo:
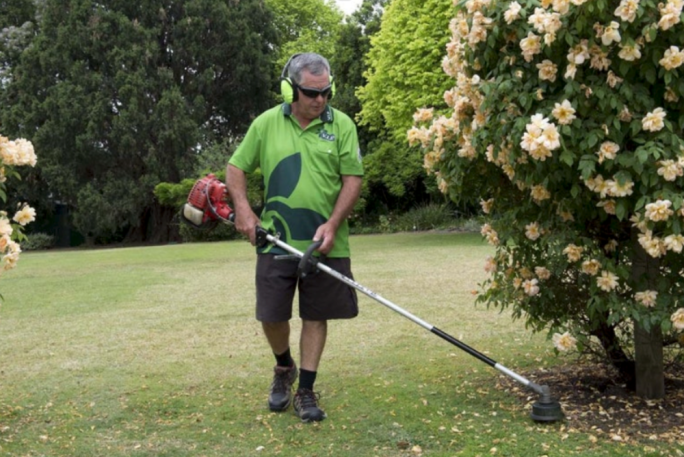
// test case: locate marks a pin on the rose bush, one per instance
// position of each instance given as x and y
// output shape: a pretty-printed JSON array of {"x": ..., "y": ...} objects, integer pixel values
[
  {"x": 13, "y": 154},
  {"x": 566, "y": 122}
]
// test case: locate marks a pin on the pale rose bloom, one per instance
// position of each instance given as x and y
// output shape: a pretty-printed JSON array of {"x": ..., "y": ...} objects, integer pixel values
[
  {"x": 615, "y": 189},
  {"x": 565, "y": 342},
  {"x": 417, "y": 135},
  {"x": 570, "y": 71},
  {"x": 638, "y": 222},
  {"x": 547, "y": 70},
  {"x": 490, "y": 234},
  {"x": 4, "y": 242},
  {"x": 25, "y": 215},
  {"x": 531, "y": 287},
  {"x": 579, "y": 53},
  {"x": 423, "y": 115},
  {"x": 654, "y": 120},
  {"x": 611, "y": 246},
  {"x": 646, "y": 298},
  {"x": 517, "y": 282},
  {"x": 607, "y": 281},
  {"x": 573, "y": 252},
  {"x": 539, "y": 193},
  {"x": 630, "y": 53},
  {"x": 625, "y": 115},
  {"x": 670, "y": 14},
  {"x": 670, "y": 170},
  {"x": 530, "y": 46},
  {"x": 627, "y": 10},
  {"x": 659, "y": 210},
  {"x": 5, "y": 226},
  {"x": 542, "y": 273},
  {"x": 532, "y": 231},
  {"x": 654, "y": 246},
  {"x": 561, "y": 6},
  {"x": 611, "y": 34},
  {"x": 612, "y": 79},
  {"x": 476, "y": 5},
  {"x": 607, "y": 205},
  {"x": 591, "y": 267},
  {"x": 564, "y": 112},
  {"x": 672, "y": 58},
  {"x": 674, "y": 243},
  {"x": 678, "y": 319},
  {"x": 487, "y": 205},
  {"x": 607, "y": 151},
  {"x": 599, "y": 58},
  {"x": 671, "y": 96},
  {"x": 537, "y": 19},
  {"x": 490, "y": 265},
  {"x": 513, "y": 12}
]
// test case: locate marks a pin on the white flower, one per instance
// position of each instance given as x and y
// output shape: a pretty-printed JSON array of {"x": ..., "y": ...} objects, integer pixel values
[
  {"x": 530, "y": 46},
  {"x": 5, "y": 227},
  {"x": 670, "y": 13},
  {"x": 513, "y": 12},
  {"x": 532, "y": 231},
  {"x": 654, "y": 120},
  {"x": 487, "y": 205},
  {"x": 611, "y": 34},
  {"x": 646, "y": 298},
  {"x": 25, "y": 215},
  {"x": 672, "y": 58},
  {"x": 607, "y": 151},
  {"x": 573, "y": 252},
  {"x": 670, "y": 170},
  {"x": 630, "y": 53},
  {"x": 531, "y": 287},
  {"x": 627, "y": 10},
  {"x": 564, "y": 342},
  {"x": 542, "y": 273},
  {"x": 490, "y": 265},
  {"x": 591, "y": 267},
  {"x": 547, "y": 70},
  {"x": 564, "y": 112},
  {"x": 654, "y": 246},
  {"x": 659, "y": 210},
  {"x": 540, "y": 193},
  {"x": 674, "y": 243},
  {"x": 678, "y": 319},
  {"x": 607, "y": 281}
]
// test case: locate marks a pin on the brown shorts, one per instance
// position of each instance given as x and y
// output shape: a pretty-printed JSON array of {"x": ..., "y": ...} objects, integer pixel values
[{"x": 321, "y": 297}]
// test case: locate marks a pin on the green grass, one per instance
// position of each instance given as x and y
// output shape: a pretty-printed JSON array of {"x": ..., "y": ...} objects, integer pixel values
[{"x": 155, "y": 352}]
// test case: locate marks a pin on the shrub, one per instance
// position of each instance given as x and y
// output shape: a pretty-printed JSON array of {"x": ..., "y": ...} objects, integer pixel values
[{"x": 38, "y": 242}]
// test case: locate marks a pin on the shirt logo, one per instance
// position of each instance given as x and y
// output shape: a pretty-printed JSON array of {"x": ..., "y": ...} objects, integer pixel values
[{"x": 326, "y": 136}]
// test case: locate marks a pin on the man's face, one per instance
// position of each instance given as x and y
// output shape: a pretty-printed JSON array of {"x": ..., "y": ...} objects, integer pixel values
[{"x": 306, "y": 107}]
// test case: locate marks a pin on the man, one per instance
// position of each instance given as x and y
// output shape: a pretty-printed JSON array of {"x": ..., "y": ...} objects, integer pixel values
[{"x": 308, "y": 153}]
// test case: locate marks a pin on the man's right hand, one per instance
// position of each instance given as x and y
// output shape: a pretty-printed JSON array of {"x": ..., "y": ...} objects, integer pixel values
[{"x": 246, "y": 222}]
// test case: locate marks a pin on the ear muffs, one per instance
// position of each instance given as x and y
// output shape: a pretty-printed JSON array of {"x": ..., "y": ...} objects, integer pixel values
[{"x": 288, "y": 89}]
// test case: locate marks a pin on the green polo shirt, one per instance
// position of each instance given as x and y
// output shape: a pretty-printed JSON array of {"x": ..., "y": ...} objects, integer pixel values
[{"x": 302, "y": 170}]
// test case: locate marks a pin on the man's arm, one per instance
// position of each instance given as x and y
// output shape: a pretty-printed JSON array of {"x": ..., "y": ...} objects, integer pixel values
[
  {"x": 245, "y": 219},
  {"x": 349, "y": 194}
]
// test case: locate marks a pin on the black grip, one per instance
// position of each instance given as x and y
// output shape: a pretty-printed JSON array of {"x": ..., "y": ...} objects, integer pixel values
[{"x": 307, "y": 264}]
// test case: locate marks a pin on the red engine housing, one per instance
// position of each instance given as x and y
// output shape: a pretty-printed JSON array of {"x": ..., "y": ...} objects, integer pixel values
[{"x": 209, "y": 197}]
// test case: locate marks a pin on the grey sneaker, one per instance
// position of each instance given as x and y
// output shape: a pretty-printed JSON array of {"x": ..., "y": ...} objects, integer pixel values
[
  {"x": 306, "y": 406},
  {"x": 280, "y": 395}
]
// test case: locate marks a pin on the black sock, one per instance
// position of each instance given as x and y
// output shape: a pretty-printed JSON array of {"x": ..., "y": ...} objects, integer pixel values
[
  {"x": 284, "y": 359},
  {"x": 306, "y": 379}
]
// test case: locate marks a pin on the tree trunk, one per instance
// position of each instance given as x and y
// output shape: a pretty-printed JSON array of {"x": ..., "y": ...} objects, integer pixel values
[
  {"x": 156, "y": 226},
  {"x": 648, "y": 344}
]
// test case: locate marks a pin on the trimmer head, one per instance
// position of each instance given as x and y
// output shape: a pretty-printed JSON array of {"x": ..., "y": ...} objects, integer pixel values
[{"x": 546, "y": 409}]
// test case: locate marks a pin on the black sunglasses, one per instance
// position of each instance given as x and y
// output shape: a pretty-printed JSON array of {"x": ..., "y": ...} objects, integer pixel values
[{"x": 313, "y": 93}]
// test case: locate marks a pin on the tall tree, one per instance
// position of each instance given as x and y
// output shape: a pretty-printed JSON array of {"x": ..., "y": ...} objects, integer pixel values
[
  {"x": 401, "y": 76},
  {"x": 119, "y": 96},
  {"x": 305, "y": 26}
]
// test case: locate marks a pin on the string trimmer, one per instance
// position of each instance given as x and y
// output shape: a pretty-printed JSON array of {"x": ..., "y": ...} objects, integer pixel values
[{"x": 207, "y": 205}]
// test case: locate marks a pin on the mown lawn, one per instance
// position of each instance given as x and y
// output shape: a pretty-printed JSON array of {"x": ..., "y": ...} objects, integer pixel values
[{"x": 155, "y": 352}]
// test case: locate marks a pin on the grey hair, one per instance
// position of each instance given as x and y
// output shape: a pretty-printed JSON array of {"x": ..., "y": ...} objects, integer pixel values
[{"x": 316, "y": 64}]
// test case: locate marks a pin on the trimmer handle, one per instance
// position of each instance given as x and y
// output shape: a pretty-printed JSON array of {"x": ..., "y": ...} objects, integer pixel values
[{"x": 307, "y": 264}]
